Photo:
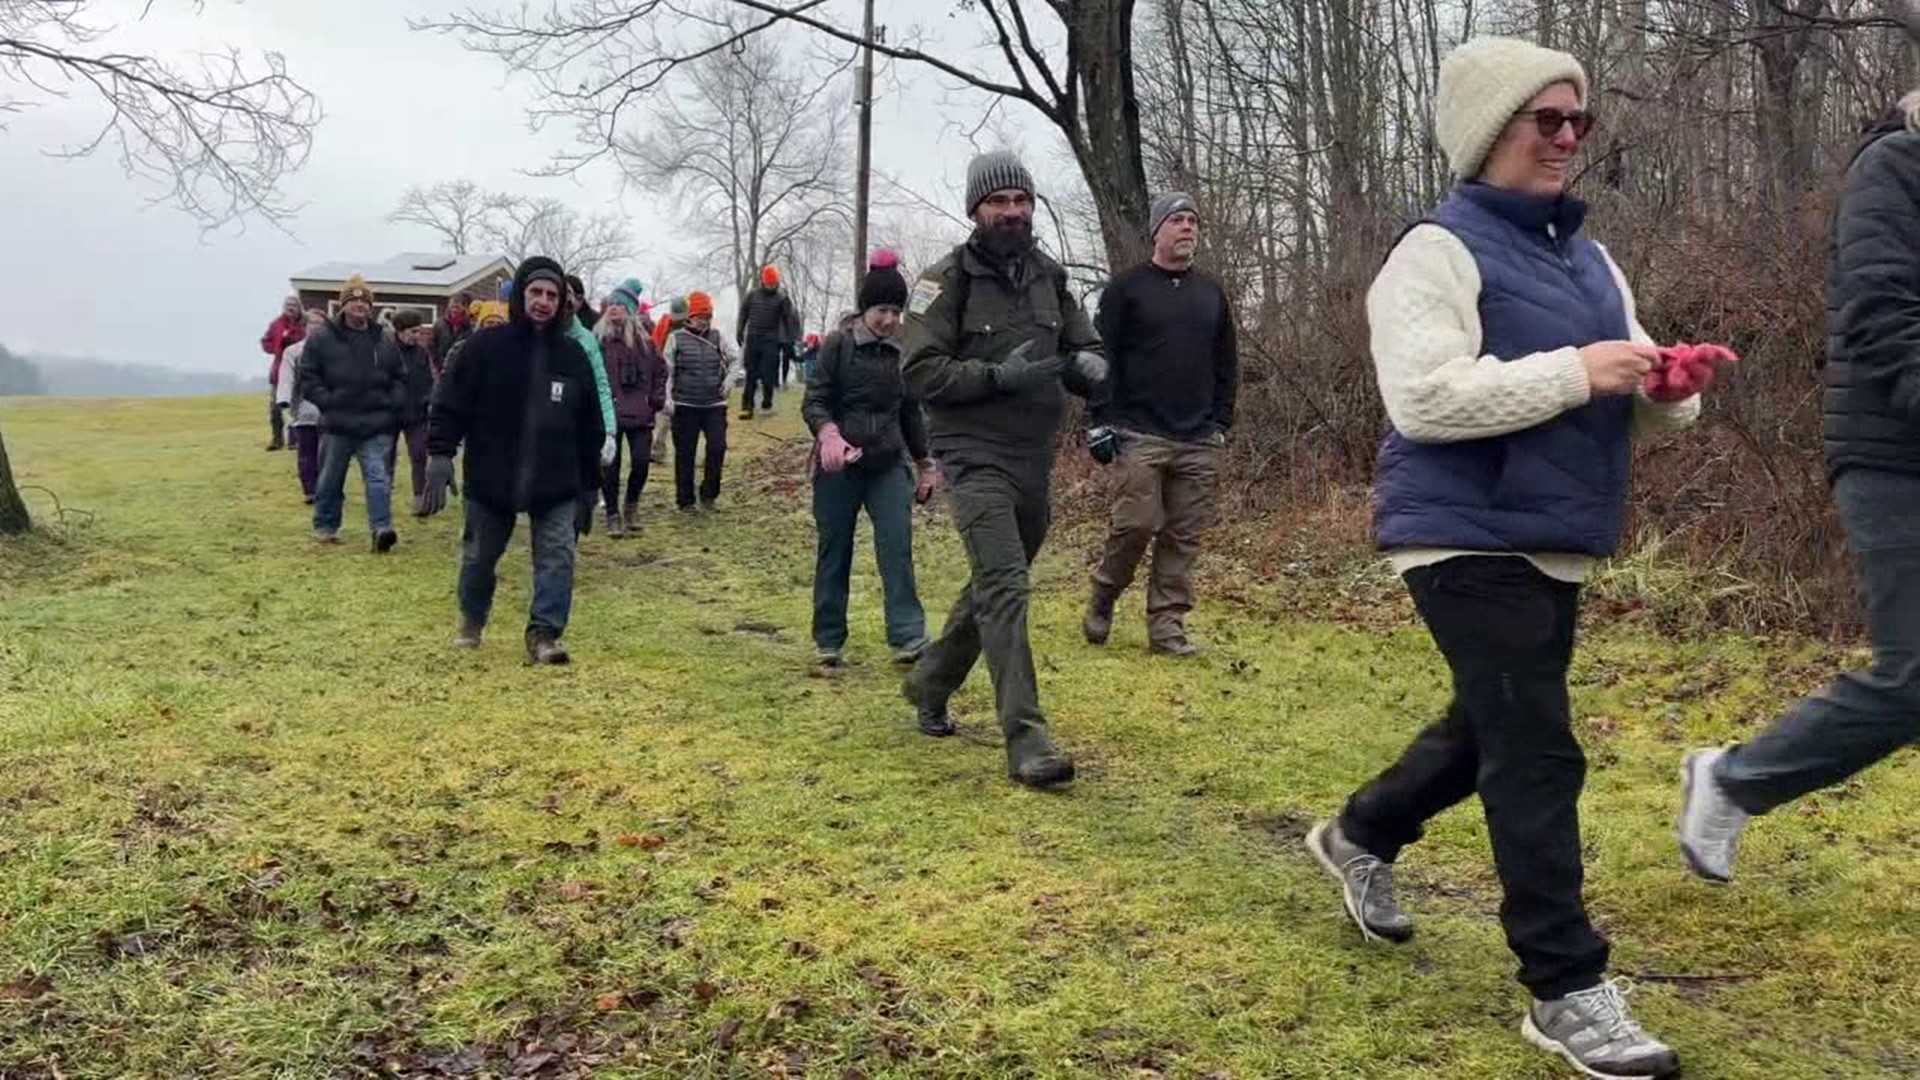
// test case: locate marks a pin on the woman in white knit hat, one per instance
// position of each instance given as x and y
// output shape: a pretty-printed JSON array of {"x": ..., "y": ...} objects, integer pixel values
[{"x": 1512, "y": 369}]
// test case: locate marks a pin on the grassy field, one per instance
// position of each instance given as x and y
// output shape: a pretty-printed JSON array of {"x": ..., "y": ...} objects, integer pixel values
[{"x": 257, "y": 818}]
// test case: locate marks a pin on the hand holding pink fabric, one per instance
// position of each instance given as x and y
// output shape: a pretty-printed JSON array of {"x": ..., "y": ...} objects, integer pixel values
[
  {"x": 1685, "y": 370},
  {"x": 836, "y": 453}
]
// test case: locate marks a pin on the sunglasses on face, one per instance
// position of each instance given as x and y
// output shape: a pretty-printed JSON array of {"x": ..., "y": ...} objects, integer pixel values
[{"x": 1549, "y": 121}]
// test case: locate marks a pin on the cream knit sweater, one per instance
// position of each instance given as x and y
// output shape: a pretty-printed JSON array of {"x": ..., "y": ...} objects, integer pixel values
[{"x": 1424, "y": 314}]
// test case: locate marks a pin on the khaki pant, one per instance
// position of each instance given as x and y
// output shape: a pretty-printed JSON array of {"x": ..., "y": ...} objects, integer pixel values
[{"x": 1165, "y": 500}]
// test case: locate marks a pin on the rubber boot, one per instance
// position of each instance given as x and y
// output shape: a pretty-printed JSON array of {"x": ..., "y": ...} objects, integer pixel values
[{"x": 1033, "y": 761}]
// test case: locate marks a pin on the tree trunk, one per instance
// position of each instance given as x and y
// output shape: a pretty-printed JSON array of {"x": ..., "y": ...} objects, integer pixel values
[
  {"x": 1100, "y": 44},
  {"x": 13, "y": 512}
]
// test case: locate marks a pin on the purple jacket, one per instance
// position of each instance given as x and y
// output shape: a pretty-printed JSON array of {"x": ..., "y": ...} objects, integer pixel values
[{"x": 637, "y": 377}]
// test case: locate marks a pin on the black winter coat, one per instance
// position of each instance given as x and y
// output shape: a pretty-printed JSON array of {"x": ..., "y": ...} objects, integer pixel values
[
  {"x": 419, "y": 367},
  {"x": 859, "y": 387},
  {"x": 1872, "y": 373},
  {"x": 356, "y": 378}
]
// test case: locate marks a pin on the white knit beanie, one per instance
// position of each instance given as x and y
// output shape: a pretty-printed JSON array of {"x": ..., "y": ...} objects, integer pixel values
[{"x": 1483, "y": 83}]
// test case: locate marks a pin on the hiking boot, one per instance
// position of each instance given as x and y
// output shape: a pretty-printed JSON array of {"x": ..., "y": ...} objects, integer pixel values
[
  {"x": 309, "y": 499},
  {"x": 931, "y": 718},
  {"x": 746, "y": 414},
  {"x": 1176, "y": 645},
  {"x": 545, "y": 648},
  {"x": 708, "y": 506},
  {"x": 1710, "y": 823},
  {"x": 687, "y": 510},
  {"x": 1033, "y": 761},
  {"x": 630, "y": 517},
  {"x": 1593, "y": 1031},
  {"x": 384, "y": 540},
  {"x": 615, "y": 527},
  {"x": 909, "y": 654},
  {"x": 1366, "y": 882},
  {"x": 469, "y": 635},
  {"x": 326, "y": 536},
  {"x": 1098, "y": 625}
]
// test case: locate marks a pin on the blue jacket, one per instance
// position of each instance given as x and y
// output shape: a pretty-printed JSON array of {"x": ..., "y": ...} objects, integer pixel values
[{"x": 1560, "y": 486}]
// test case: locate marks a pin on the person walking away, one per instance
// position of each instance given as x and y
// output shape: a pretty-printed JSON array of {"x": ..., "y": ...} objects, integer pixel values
[
  {"x": 699, "y": 360},
  {"x": 286, "y": 329},
  {"x": 1872, "y": 446},
  {"x": 413, "y": 337},
  {"x": 303, "y": 417},
  {"x": 352, "y": 371},
  {"x": 809, "y": 355},
  {"x": 1512, "y": 368},
  {"x": 993, "y": 340},
  {"x": 639, "y": 379},
  {"x": 1162, "y": 419},
  {"x": 871, "y": 451},
  {"x": 454, "y": 327},
  {"x": 767, "y": 327},
  {"x": 521, "y": 399}
]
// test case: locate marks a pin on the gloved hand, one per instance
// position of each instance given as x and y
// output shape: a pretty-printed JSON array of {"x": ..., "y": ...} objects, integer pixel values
[
  {"x": 1104, "y": 444},
  {"x": 583, "y": 513},
  {"x": 1090, "y": 366},
  {"x": 606, "y": 451},
  {"x": 836, "y": 453},
  {"x": 928, "y": 479},
  {"x": 1021, "y": 372},
  {"x": 1685, "y": 370},
  {"x": 439, "y": 479}
]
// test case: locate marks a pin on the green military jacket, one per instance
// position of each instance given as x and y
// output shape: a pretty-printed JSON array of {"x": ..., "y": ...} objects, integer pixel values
[{"x": 964, "y": 317}]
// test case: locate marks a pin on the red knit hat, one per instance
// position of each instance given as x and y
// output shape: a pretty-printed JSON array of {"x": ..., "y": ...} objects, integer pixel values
[{"x": 699, "y": 305}]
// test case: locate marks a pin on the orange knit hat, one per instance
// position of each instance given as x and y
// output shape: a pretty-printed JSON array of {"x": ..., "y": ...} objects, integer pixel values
[
  {"x": 699, "y": 306},
  {"x": 769, "y": 276}
]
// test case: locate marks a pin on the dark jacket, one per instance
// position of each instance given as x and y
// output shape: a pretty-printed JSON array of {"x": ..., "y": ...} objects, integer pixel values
[
  {"x": 445, "y": 337},
  {"x": 858, "y": 387},
  {"x": 767, "y": 315},
  {"x": 524, "y": 402},
  {"x": 967, "y": 313},
  {"x": 1560, "y": 486},
  {"x": 1872, "y": 372},
  {"x": 1173, "y": 354},
  {"x": 699, "y": 363},
  {"x": 637, "y": 376},
  {"x": 355, "y": 378},
  {"x": 419, "y": 368}
]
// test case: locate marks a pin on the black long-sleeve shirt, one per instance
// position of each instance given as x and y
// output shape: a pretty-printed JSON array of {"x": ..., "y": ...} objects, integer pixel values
[{"x": 1172, "y": 351}]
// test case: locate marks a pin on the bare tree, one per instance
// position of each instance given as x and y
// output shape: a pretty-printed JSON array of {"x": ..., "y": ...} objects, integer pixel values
[
  {"x": 586, "y": 245},
  {"x": 459, "y": 212},
  {"x": 215, "y": 139}
]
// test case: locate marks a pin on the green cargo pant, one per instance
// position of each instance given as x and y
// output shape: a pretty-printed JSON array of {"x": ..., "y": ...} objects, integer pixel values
[{"x": 1002, "y": 510}]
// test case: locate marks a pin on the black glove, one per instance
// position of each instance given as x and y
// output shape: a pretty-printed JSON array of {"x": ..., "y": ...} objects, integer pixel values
[
  {"x": 439, "y": 479},
  {"x": 583, "y": 514},
  {"x": 1104, "y": 444},
  {"x": 1020, "y": 372}
]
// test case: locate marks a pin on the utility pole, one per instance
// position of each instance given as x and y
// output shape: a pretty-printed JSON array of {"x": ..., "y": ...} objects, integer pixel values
[{"x": 863, "y": 101}]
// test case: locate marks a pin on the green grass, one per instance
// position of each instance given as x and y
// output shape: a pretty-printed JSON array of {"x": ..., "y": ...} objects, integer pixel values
[{"x": 257, "y": 818}]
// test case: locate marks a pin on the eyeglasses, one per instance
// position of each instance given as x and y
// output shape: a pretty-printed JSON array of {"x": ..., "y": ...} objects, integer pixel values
[
  {"x": 1019, "y": 201},
  {"x": 1549, "y": 121}
]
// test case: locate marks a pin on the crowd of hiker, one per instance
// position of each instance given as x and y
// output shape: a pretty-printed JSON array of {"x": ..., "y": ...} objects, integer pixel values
[{"x": 1512, "y": 366}]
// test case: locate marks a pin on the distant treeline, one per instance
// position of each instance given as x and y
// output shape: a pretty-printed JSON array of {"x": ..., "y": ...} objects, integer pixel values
[{"x": 73, "y": 377}]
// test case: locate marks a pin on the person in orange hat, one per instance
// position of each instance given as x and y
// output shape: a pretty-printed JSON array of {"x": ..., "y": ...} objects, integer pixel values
[
  {"x": 768, "y": 327},
  {"x": 699, "y": 361}
]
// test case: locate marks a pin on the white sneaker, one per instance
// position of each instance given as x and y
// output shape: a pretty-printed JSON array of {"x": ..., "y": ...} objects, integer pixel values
[{"x": 1710, "y": 823}]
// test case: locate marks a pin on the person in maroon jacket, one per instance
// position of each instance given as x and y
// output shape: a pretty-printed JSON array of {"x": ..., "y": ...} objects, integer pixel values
[
  {"x": 637, "y": 376},
  {"x": 286, "y": 328}
]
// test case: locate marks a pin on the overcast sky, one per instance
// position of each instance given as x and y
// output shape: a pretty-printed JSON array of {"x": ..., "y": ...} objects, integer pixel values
[{"x": 96, "y": 271}]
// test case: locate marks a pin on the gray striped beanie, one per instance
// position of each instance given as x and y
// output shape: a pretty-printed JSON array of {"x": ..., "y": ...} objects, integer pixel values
[{"x": 995, "y": 170}]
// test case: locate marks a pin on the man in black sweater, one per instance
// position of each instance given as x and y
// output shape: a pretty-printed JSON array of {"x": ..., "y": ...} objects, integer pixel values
[{"x": 1164, "y": 416}]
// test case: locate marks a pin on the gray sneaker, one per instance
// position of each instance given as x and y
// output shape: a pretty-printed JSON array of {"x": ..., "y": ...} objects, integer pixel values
[
  {"x": 1365, "y": 879},
  {"x": 1710, "y": 824},
  {"x": 326, "y": 536},
  {"x": 1593, "y": 1031}
]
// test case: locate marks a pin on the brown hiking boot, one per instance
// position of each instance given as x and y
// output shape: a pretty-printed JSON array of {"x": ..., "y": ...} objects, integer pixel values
[
  {"x": 1098, "y": 625},
  {"x": 469, "y": 634},
  {"x": 544, "y": 648}
]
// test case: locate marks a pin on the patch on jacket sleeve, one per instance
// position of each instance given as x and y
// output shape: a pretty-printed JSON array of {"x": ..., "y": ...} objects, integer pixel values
[{"x": 925, "y": 292}]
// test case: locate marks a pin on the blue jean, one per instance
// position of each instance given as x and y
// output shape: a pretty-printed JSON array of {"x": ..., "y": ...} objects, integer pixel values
[
  {"x": 887, "y": 494},
  {"x": 1862, "y": 716},
  {"x": 330, "y": 494},
  {"x": 484, "y": 540}
]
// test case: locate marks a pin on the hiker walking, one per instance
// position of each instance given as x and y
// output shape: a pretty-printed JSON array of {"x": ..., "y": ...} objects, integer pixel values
[
  {"x": 521, "y": 398},
  {"x": 870, "y": 451},
  {"x": 1162, "y": 419},
  {"x": 993, "y": 339},
  {"x": 582, "y": 310},
  {"x": 453, "y": 328},
  {"x": 638, "y": 377},
  {"x": 767, "y": 328},
  {"x": 286, "y": 329},
  {"x": 1512, "y": 366},
  {"x": 303, "y": 417},
  {"x": 413, "y": 337},
  {"x": 1872, "y": 436},
  {"x": 352, "y": 372},
  {"x": 699, "y": 360}
]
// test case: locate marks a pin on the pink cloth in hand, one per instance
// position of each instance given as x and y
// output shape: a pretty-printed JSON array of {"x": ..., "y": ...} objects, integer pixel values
[
  {"x": 836, "y": 453},
  {"x": 1685, "y": 370}
]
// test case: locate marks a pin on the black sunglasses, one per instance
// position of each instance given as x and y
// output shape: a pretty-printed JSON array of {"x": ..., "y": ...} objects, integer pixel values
[{"x": 1549, "y": 121}]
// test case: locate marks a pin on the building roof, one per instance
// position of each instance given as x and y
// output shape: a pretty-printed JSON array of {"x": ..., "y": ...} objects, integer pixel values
[{"x": 434, "y": 272}]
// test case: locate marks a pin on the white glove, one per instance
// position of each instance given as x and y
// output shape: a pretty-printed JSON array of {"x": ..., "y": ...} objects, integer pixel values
[
  {"x": 606, "y": 452},
  {"x": 1090, "y": 366}
]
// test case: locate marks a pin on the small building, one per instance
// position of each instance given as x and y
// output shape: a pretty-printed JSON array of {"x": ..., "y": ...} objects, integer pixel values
[{"x": 409, "y": 280}]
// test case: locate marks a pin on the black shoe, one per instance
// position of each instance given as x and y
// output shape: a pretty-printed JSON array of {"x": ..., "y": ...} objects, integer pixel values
[
  {"x": 1033, "y": 761},
  {"x": 384, "y": 540},
  {"x": 1097, "y": 626},
  {"x": 544, "y": 648},
  {"x": 932, "y": 719}
]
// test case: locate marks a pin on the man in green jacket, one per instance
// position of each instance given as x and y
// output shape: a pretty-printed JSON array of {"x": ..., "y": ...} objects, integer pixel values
[{"x": 993, "y": 340}]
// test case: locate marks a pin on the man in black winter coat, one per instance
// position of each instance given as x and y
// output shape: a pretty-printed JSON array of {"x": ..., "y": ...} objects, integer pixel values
[
  {"x": 767, "y": 328},
  {"x": 413, "y": 338},
  {"x": 522, "y": 398},
  {"x": 352, "y": 372}
]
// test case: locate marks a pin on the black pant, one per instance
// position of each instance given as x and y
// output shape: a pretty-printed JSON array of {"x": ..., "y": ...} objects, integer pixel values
[
  {"x": 641, "y": 440},
  {"x": 689, "y": 424},
  {"x": 763, "y": 371},
  {"x": 1507, "y": 633}
]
